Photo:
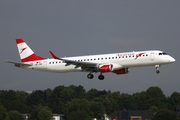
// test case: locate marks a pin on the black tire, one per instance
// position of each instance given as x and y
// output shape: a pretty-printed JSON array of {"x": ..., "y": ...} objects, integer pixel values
[
  {"x": 101, "y": 77},
  {"x": 90, "y": 76},
  {"x": 157, "y": 71}
]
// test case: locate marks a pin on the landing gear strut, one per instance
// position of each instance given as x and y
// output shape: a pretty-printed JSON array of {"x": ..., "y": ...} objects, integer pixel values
[
  {"x": 90, "y": 76},
  {"x": 157, "y": 69},
  {"x": 101, "y": 77}
]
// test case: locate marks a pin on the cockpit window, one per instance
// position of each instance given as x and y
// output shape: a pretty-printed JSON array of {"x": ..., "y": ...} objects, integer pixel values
[{"x": 162, "y": 53}]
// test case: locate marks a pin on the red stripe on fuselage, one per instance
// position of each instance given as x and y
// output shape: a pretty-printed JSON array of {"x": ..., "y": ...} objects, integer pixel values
[
  {"x": 32, "y": 57},
  {"x": 19, "y": 40}
]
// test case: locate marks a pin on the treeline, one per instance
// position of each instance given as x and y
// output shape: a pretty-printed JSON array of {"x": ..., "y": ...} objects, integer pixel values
[{"x": 77, "y": 103}]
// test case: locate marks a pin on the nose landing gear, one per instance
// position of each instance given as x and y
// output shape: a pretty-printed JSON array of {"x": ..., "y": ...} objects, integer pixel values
[{"x": 157, "y": 69}]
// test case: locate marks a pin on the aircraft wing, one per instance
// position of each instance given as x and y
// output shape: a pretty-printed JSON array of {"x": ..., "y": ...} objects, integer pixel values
[
  {"x": 86, "y": 66},
  {"x": 18, "y": 64}
]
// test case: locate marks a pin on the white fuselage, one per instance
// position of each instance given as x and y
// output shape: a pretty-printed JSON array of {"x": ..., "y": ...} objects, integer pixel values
[{"x": 126, "y": 60}]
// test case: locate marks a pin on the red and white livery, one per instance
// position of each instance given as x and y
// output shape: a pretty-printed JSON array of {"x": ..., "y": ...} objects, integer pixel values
[{"x": 118, "y": 63}]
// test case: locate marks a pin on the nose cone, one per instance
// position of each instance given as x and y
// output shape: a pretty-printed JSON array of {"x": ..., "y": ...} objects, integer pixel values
[{"x": 171, "y": 59}]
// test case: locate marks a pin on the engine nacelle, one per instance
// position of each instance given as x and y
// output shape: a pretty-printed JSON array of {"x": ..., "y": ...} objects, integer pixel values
[
  {"x": 109, "y": 67},
  {"x": 122, "y": 71},
  {"x": 116, "y": 67},
  {"x": 105, "y": 68}
]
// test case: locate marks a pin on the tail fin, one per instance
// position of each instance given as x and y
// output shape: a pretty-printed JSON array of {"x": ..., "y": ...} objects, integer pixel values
[{"x": 25, "y": 52}]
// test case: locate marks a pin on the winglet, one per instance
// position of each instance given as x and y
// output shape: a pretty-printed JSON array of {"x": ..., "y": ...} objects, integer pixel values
[{"x": 54, "y": 56}]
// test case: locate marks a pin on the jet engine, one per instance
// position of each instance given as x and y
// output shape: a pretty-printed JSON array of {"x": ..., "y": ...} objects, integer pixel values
[
  {"x": 105, "y": 68},
  {"x": 122, "y": 71},
  {"x": 109, "y": 68}
]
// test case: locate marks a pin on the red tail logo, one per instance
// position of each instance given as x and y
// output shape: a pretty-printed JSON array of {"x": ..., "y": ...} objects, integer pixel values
[
  {"x": 139, "y": 55},
  {"x": 22, "y": 50}
]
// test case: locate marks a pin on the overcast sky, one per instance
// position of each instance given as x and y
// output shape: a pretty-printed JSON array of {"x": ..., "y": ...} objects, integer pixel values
[{"x": 71, "y": 28}]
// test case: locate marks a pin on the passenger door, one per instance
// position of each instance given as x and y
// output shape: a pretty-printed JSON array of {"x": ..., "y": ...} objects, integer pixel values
[{"x": 152, "y": 56}]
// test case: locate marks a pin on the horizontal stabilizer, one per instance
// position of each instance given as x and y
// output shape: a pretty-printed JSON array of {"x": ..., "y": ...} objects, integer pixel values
[{"x": 18, "y": 64}]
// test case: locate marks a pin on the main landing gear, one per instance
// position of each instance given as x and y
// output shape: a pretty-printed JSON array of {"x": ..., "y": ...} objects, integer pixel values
[
  {"x": 157, "y": 69},
  {"x": 101, "y": 77},
  {"x": 91, "y": 76}
]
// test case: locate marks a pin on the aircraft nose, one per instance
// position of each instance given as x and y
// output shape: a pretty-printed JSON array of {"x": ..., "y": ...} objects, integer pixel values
[{"x": 171, "y": 59}]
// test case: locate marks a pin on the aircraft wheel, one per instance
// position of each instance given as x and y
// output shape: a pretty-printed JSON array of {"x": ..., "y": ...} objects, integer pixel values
[
  {"x": 157, "y": 71},
  {"x": 101, "y": 77},
  {"x": 90, "y": 76}
]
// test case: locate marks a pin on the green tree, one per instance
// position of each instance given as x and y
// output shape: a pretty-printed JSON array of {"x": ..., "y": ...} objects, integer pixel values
[
  {"x": 12, "y": 100},
  {"x": 141, "y": 99},
  {"x": 153, "y": 109},
  {"x": 60, "y": 96},
  {"x": 165, "y": 114},
  {"x": 107, "y": 103},
  {"x": 40, "y": 113},
  {"x": 174, "y": 100},
  {"x": 91, "y": 94},
  {"x": 78, "y": 109},
  {"x": 97, "y": 109},
  {"x": 127, "y": 102},
  {"x": 44, "y": 114},
  {"x": 2, "y": 112},
  {"x": 155, "y": 97},
  {"x": 79, "y": 91},
  {"x": 36, "y": 98},
  {"x": 14, "y": 115}
]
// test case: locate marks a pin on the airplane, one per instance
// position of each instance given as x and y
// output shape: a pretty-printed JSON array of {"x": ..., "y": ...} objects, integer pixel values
[{"x": 118, "y": 63}]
